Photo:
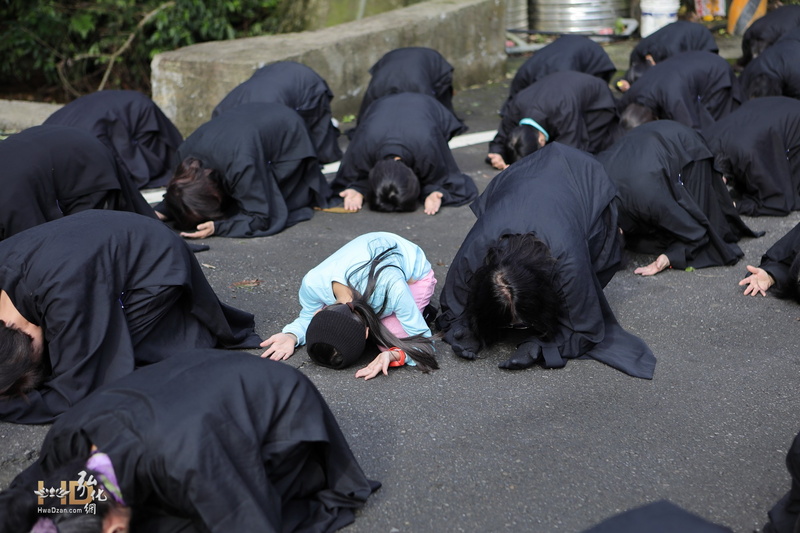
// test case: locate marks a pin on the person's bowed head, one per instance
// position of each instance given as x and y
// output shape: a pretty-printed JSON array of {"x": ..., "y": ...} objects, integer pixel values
[
  {"x": 514, "y": 289},
  {"x": 523, "y": 140},
  {"x": 336, "y": 337},
  {"x": 195, "y": 199},
  {"x": 393, "y": 188}
]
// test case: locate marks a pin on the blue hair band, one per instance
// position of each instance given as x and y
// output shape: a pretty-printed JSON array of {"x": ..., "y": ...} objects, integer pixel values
[{"x": 531, "y": 122}]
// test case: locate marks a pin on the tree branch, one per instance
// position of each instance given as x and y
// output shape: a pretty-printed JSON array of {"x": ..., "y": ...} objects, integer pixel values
[{"x": 142, "y": 23}]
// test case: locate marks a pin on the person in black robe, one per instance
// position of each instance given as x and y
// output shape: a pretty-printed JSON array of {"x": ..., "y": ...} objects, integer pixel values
[
  {"x": 573, "y": 108},
  {"x": 568, "y": 52},
  {"x": 672, "y": 39},
  {"x": 142, "y": 139},
  {"x": 544, "y": 245},
  {"x": 414, "y": 69},
  {"x": 250, "y": 172},
  {"x": 403, "y": 134},
  {"x": 775, "y": 72},
  {"x": 671, "y": 201},
  {"x": 784, "y": 517},
  {"x": 779, "y": 271},
  {"x": 766, "y": 30},
  {"x": 100, "y": 293},
  {"x": 300, "y": 88},
  {"x": 693, "y": 88},
  {"x": 203, "y": 441},
  {"x": 757, "y": 149},
  {"x": 53, "y": 171}
]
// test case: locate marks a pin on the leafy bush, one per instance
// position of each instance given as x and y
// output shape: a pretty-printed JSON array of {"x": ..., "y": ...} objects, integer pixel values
[{"x": 78, "y": 46}]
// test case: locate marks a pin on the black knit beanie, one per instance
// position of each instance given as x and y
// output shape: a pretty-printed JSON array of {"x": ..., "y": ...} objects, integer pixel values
[{"x": 337, "y": 327}]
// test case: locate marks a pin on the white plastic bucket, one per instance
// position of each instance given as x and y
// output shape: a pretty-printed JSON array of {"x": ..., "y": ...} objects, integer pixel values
[{"x": 656, "y": 14}]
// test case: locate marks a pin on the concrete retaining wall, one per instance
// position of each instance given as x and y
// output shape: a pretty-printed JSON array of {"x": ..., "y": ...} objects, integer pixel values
[{"x": 187, "y": 83}]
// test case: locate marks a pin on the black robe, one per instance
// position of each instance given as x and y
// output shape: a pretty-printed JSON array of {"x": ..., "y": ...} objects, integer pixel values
[
  {"x": 568, "y": 52},
  {"x": 565, "y": 198},
  {"x": 674, "y": 38},
  {"x": 297, "y": 87},
  {"x": 210, "y": 441},
  {"x": 778, "y": 262},
  {"x": 49, "y": 172},
  {"x": 575, "y": 108},
  {"x": 693, "y": 88},
  {"x": 766, "y": 30},
  {"x": 142, "y": 139},
  {"x": 417, "y": 128},
  {"x": 780, "y": 63},
  {"x": 87, "y": 280},
  {"x": 762, "y": 141},
  {"x": 411, "y": 70},
  {"x": 670, "y": 199},
  {"x": 269, "y": 168},
  {"x": 658, "y": 517},
  {"x": 784, "y": 517}
]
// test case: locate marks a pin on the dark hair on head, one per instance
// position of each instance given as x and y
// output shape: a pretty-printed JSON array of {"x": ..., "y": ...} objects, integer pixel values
[
  {"x": 195, "y": 195},
  {"x": 418, "y": 347},
  {"x": 764, "y": 85},
  {"x": 326, "y": 354},
  {"x": 20, "y": 370},
  {"x": 635, "y": 115},
  {"x": 393, "y": 186},
  {"x": 636, "y": 70},
  {"x": 515, "y": 285},
  {"x": 723, "y": 165},
  {"x": 522, "y": 141}
]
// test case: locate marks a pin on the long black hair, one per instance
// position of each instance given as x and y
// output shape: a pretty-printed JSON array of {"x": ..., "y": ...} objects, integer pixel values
[
  {"x": 522, "y": 141},
  {"x": 393, "y": 186},
  {"x": 515, "y": 287},
  {"x": 20, "y": 370},
  {"x": 635, "y": 115},
  {"x": 195, "y": 195},
  {"x": 418, "y": 347}
]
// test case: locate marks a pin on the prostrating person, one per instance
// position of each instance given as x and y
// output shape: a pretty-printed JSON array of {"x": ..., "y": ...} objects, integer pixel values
[
  {"x": 671, "y": 201},
  {"x": 569, "y": 52},
  {"x": 414, "y": 69},
  {"x": 767, "y": 30},
  {"x": 50, "y": 172},
  {"x": 674, "y": 38},
  {"x": 775, "y": 72},
  {"x": 544, "y": 245},
  {"x": 250, "y": 172},
  {"x": 573, "y": 108},
  {"x": 203, "y": 441},
  {"x": 370, "y": 297},
  {"x": 86, "y": 299},
  {"x": 757, "y": 150},
  {"x": 693, "y": 88},
  {"x": 297, "y": 87},
  {"x": 141, "y": 137},
  {"x": 399, "y": 157}
]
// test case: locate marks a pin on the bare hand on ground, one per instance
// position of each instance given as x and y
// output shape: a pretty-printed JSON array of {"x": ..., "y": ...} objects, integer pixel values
[
  {"x": 281, "y": 346},
  {"x": 661, "y": 262},
  {"x": 433, "y": 202},
  {"x": 206, "y": 229},
  {"x": 497, "y": 161},
  {"x": 353, "y": 200},
  {"x": 378, "y": 365},
  {"x": 758, "y": 282}
]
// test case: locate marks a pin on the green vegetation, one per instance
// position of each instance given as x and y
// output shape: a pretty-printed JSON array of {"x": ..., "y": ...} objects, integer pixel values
[{"x": 66, "y": 48}]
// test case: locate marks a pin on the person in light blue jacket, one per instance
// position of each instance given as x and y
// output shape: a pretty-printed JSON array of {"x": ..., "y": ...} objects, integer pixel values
[{"x": 372, "y": 291}]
